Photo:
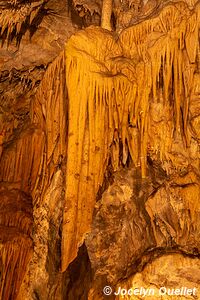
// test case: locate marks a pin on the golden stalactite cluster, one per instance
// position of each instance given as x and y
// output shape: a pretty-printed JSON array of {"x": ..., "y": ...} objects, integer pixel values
[
  {"x": 15, "y": 15},
  {"x": 94, "y": 105},
  {"x": 19, "y": 169},
  {"x": 49, "y": 113},
  {"x": 111, "y": 86},
  {"x": 20, "y": 164},
  {"x": 27, "y": 166},
  {"x": 16, "y": 244}
]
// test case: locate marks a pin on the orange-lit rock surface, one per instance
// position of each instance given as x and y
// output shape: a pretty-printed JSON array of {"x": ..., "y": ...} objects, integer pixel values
[
  {"x": 99, "y": 148},
  {"x": 177, "y": 275}
]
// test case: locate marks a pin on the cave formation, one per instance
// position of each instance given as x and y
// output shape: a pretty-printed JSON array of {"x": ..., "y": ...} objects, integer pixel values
[{"x": 99, "y": 148}]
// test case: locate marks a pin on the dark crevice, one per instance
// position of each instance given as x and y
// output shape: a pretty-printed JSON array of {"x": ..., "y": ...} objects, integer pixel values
[
  {"x": 108, "y": 180},
  {"x": 77, "y": 281},
  {"x": 76, "y": 19},
  {"x": 37, "y": 20}
]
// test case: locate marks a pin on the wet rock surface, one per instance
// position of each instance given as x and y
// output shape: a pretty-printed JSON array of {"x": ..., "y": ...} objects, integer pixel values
[
  {"x": 130, "y": 230},
  {"x": 144, "y": 232}
]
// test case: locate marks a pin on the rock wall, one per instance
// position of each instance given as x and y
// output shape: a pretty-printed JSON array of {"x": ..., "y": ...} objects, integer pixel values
[{"x": 99, "y": 150}]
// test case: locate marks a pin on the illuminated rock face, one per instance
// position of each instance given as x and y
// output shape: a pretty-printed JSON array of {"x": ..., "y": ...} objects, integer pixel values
[
  {"x": 137, "y": 221},
  {"x": 16, "y": 224},
  {"x": 136, "y": 102},
  {"x": 114, "y": 120},
  {"x": 167, "y": 277}
]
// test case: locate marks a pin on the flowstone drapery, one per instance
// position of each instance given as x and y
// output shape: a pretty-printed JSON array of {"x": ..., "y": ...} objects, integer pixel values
[
  {"x": 107, "y": 100},
  {"x": 111, "y": 85}
]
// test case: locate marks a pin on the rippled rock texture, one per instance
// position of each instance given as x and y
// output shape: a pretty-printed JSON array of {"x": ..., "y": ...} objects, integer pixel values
[{"x": 99, "y": 149}]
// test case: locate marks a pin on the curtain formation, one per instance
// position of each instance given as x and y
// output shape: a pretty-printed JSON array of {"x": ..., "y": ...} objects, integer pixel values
[
  {"x": 111, "y": 85},
  {"x": 93, "y": 108}
]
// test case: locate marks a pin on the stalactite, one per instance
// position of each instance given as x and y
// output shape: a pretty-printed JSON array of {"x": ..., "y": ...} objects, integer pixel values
[
  {"x": 106, "y": 14},
  {"x": 109, "y": 106},
  {"x": 15, "y": 256},
  {"x": 89, "y": 128},
  {"x": 94, "y": 104},
  {"x": 166, "y": 53},
  {"x": 20, "y": 164},
  {"x": 28, "y": 164},
  {"x": 16, "y": 245},
  {"x": 49, "y": 113}
]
